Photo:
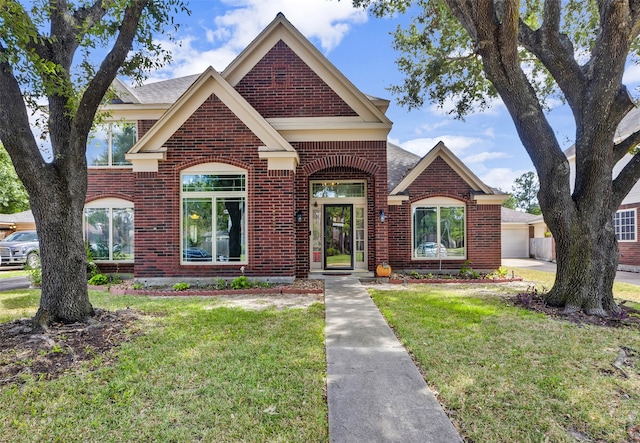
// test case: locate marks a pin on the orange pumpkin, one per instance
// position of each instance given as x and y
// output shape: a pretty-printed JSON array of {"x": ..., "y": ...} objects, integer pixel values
[{"x": 383, "y": 270}]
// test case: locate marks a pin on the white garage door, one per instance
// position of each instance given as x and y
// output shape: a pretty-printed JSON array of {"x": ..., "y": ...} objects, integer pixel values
[{"x": 515, "y": 241}]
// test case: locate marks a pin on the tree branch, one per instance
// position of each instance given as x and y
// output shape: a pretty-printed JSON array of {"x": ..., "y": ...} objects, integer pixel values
[
  {"x": 626, "y": 180},
  {"x": 625, "y": 146},
  {"x": 97, "y": 88}
]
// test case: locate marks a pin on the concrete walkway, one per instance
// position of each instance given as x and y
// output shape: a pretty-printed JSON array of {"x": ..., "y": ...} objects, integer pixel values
[{"x": 375, "y": 392}]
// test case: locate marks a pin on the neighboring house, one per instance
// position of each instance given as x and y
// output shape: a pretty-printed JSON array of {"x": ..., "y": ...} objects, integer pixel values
[
  {"x": 626, "y": 218},
  {"x": 19, "y": 221},
  {"x": 281, "y": 167},
  {"x": 525, "y": 235}
]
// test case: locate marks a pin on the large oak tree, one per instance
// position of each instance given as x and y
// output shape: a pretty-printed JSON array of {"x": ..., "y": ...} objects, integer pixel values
[
  {"x": 48, "y": 53},
  {"x": 525, "y": 52}
]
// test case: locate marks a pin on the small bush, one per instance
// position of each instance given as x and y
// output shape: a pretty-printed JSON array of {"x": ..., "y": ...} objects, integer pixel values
[
  {"x": 99, "y": 280},
  {"x": 501, "y": 272},
  {"x": 241, "y": 283},
  {"x": 181, "y": 286},
  {"x": 221, "y": 283},
  {"x": 137, "y": 286},
  {"x": 34, "y": 275}
]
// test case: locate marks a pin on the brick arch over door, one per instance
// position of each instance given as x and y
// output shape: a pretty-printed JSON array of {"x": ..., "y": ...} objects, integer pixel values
[
  {"x": 335, "y": 161},
  {"x": 343, "y": 167}
]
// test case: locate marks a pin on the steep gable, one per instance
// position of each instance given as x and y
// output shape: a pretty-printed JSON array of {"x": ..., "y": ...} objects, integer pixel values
[
  {"x": 150, "y": 148},
  {"x": 441, "y": 169},
  {"x": 281, "y": 85},
  {"x": 281, "y": 60}
]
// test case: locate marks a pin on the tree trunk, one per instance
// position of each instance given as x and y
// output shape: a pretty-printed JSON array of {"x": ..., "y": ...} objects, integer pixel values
[
  {"x": 587, "y": 260},
  {"x": 62, "y": 252}
]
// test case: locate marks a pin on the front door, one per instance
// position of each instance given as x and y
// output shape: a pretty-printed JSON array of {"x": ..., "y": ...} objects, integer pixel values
[{"x": 338, "y": 236}]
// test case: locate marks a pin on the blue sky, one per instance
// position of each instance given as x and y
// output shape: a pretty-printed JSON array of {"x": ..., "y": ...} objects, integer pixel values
[{"x": 360, "y": 46}]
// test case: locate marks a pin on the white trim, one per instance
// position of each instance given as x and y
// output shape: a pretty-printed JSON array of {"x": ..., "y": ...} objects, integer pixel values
[
  {"x": 635, "y": 224},
  {"x": 440, "y": 150},
  {"x": 438, "y": 202},
  {"x": 215, "y": 168},
  {"x": 109, "y": 202}
]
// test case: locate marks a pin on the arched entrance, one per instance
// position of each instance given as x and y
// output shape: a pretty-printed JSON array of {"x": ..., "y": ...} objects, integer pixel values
[{"x": 338, "y": 225}]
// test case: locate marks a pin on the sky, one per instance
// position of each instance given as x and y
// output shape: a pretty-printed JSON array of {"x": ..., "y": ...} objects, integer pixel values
[{"x": 360, "y": 46}]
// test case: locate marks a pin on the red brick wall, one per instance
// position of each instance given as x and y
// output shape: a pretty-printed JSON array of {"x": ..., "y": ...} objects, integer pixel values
[
  {"x": 214, "y": 134},
  {"x": 363, "y": 160},
  {"x": 282, "y": 85},
  {"x": 483, "y": 239},
  {"x": 629, "y": 252}
]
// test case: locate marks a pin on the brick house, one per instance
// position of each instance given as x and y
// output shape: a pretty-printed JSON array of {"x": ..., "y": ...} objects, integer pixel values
[
  {"x": 278, "y": 165},
  {"x": 626, "y": 218}
]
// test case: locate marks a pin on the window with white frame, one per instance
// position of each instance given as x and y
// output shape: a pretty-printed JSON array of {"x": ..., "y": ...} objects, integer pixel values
[
  {"x": 439, "y": 229},
  {"x": 109, "y": 142},
  {"x": 214, "y": 201},
  {"x": 108, "y": 229},
  {"x": 625, "y": 225}
]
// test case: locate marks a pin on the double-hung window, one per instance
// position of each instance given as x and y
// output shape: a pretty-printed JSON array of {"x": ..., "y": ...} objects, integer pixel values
[
  {"x": 625, "y": 225},
  {"x": 109, "y": 142},
  {"x": 214, "y": 201},
  {"x": 108, "y": 229},
  {"x": 439, "y": 229}
]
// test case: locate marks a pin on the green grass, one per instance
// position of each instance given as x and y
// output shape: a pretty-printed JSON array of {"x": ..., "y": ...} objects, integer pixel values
[
  {"x": 544, "y": 281},
  {"x": 9, "y": 274},
  {"x": 200, "y": 372},
  {"x": 506, "y": 374}
]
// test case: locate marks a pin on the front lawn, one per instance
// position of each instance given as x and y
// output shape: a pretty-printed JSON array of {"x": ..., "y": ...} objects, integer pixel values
[
  {"x": 505, "y": 374},
  {"x": 198, "y": 372}
]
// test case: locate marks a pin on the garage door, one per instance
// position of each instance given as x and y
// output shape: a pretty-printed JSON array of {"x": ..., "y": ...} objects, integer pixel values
[{"x": 515, "y": 241}]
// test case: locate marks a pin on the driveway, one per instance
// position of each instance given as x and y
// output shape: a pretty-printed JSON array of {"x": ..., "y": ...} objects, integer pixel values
[
  {"x": 539, "y": 265},
  {"x": 11, "y": 283}
]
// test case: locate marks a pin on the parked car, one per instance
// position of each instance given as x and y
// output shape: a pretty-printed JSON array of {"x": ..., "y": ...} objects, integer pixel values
[
  {"x": 430, "y": 249},
  {"x": 20, "y": 248},
  {"x": 196, "y": 254}
]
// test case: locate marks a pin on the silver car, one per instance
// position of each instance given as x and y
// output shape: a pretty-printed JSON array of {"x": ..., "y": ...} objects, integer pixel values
[{"x": 20, "y": 248}]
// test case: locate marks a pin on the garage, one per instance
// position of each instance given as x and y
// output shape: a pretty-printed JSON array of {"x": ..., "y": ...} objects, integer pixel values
[{"x": 515, "y": 240}]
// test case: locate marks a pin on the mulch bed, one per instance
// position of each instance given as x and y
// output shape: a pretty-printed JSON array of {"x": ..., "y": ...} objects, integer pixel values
[{"x": 26, "y": 349}]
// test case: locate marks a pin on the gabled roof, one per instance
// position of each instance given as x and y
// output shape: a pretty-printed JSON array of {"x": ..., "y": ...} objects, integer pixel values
[
  {"x": 281, "y": 29},
  {"x": 209, "y": 82},
  {"x": 440, "y": 150},
  {"x": 512, "y": 216},
  {"x": 399, "y": 162}
]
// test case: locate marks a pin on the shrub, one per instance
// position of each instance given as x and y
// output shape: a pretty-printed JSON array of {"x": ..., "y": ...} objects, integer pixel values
[
  {"x": 137, "y": 286},
  {"x": 221, "y": 283},
  {"x": 241, "y": 283},
  {"x": 181, "y": 286},
  {"x": 34, "y": 275},
  {"x": 98, "y": 280}
]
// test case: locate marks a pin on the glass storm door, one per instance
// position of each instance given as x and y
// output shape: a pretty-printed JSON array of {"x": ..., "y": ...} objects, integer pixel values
[{"x": 338, "y": 236}]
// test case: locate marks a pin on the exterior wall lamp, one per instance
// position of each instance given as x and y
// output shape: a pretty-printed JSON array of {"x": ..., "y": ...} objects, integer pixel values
[
  {"x": 382, "y": 216},
  {"x": 299, "y": 216}
]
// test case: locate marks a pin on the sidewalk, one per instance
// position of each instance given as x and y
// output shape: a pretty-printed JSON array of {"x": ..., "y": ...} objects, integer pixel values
[
  {"x": 375, "y": 392},
  {"x": 632, "y": 278}
]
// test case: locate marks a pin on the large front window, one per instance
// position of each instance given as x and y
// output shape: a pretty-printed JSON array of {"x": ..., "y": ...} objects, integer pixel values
[
  {"x": 439, "y": 229},
  {"x": 108, "y": 230},
  {"x": 109, "y": 142},
  {"x": 214, "y": 215}
]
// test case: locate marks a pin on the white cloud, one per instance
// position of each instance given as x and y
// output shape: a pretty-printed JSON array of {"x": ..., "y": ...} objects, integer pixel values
[
  {"x": 326, "y": 21},
  {"x": 481, "y": 157},
  {"x": 490, "y": 132},
  {"x": 224, "y": 36},
  {"x": 456, "y": 143},
  {"x": 501, "y": 178},
  {"x": 496, "y": 106},
  {"x": 430, "y": 127}
]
